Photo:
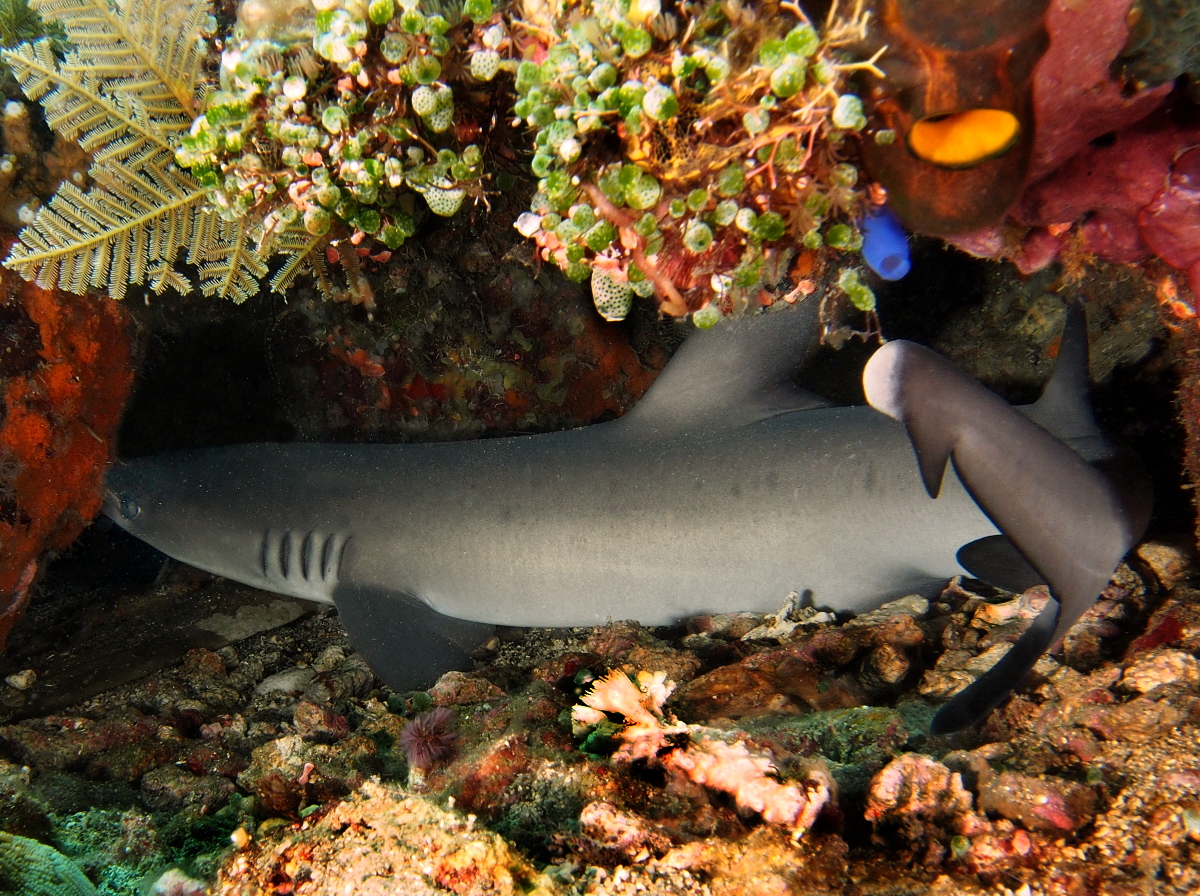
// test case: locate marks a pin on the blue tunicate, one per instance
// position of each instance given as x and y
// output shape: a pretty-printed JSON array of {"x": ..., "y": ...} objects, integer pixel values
[{"x": 885, "y": 244}]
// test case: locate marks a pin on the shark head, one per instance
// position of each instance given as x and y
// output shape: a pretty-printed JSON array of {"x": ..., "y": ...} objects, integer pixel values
[
  {"x": 135, "y": 495},
  {"x": 187, "y": 505}
]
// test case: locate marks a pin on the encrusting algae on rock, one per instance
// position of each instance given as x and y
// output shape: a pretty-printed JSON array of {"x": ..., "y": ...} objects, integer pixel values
[{"x": 30, "y": 868}]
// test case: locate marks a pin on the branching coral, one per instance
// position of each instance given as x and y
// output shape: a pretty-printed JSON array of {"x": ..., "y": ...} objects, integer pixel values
[{"x": 649, "y": 734}]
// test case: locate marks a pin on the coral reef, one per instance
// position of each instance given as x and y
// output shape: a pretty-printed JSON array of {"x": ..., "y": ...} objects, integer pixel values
[
  {"x": 66, "y": 373},
  {"x": 1089, "y": 773},
  {"x": 399, "y": 843},
  {"x": 683, "y": 166}
]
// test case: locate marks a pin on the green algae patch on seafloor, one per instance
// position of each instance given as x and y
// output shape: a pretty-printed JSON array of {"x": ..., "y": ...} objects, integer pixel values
[{"x": 855, "y": 743}]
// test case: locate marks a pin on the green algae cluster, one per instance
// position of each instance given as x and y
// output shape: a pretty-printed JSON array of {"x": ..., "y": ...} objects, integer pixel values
[
  {"x": 682, "y": 158},
  {"x": 338, "y": 124},
  {"x": 683, "y": 151}
]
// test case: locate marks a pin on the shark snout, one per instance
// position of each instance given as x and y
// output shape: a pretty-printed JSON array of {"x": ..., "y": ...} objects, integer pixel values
[{"x": 121, "y": 503}]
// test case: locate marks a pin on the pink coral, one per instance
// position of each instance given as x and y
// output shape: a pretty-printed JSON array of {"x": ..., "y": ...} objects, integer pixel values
[
  {"x": 733, "y": 769},
  {"x": 652, "y": 736},
  {"x": 640, "y": 704},
  {"x": 1170, "y": 224},
  {"x": 1075, "y": 97}
]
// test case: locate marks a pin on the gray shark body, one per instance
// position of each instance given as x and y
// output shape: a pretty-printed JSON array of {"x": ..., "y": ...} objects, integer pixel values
[{"x": 724, "y": 490}]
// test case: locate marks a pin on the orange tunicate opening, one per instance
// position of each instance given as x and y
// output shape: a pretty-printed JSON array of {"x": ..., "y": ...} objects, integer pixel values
[{"x": 963, "y": 139}]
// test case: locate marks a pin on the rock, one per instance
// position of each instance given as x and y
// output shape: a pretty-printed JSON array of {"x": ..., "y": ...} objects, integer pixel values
[
  {"x": 459, "y": 689},
  {"x": 319, "y": 724},
  {"x": 23, "y": 680},
  {"x": 380, "y": 842},
  {"x": 169, "y": 788},
  {"x": 488, "y": 788},
  {"x": 1050, "y": 805},
  {"x": 288, "y": 773},
  {"x": 1169, "y": 563},
  {"x": 624, "y": 838},
  {"x": 207, "y": 759},
  {"x": 680, "y": 665},
  {"x": 329, "y": 659},
  {"x": 724, "y": 626},
  {"x": 22, "y": 812},
  {"x": 201, "y": 663},
  {"x": 176, "y": 882},
  {"x": 918, "y": 795},
  {"x": 289, "y": 681},
  {"x": 913, "y": 607},
  {"x": 729, "y": 692},
  {"x": 615, "y": 640},
  {"x": 1161, "y": 667},
  {"x": 562, "y": 669},
  {"x": 351, "y": 677}
]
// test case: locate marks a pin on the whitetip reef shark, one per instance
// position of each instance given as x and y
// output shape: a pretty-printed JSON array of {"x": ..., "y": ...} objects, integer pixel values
[{"x": 723, "y": 490}]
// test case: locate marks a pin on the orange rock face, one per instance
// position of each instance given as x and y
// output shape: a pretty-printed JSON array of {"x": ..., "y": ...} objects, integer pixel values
[{"x": 64, "y": 376}]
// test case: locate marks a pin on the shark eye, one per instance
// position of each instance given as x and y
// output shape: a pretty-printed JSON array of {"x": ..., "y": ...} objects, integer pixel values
[{"x": 129, "y": 507}]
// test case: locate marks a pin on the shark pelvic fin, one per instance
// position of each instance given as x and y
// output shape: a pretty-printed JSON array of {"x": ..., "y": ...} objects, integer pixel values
[
  {"x": 1070, "y": 523},
  {"x": 404, "y": 641},
  {"x": 738, "y": 372},
  {"x": 994, "y": 560}
]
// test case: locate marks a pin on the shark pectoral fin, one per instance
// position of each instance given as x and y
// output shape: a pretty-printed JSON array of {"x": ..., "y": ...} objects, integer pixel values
[
  {"x": 988, "y": 691},
  {"x": 405, "y": 642},
  {"x": 994, "y": 559},
  {"x": 932, "y": 457}
]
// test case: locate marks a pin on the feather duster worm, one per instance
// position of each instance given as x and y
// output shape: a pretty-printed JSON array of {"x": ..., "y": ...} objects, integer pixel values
[{"x": 958, "y": 96}]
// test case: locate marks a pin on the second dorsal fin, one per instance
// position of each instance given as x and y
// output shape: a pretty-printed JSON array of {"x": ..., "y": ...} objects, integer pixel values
[{"x": 1065, "y": 407}]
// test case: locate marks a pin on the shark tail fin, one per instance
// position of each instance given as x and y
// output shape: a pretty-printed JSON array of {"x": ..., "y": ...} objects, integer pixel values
[
  {"x": 991, "y": 689},
  {"x": 404, "y": 641},
  {"x": 1068, "y": 521}
]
